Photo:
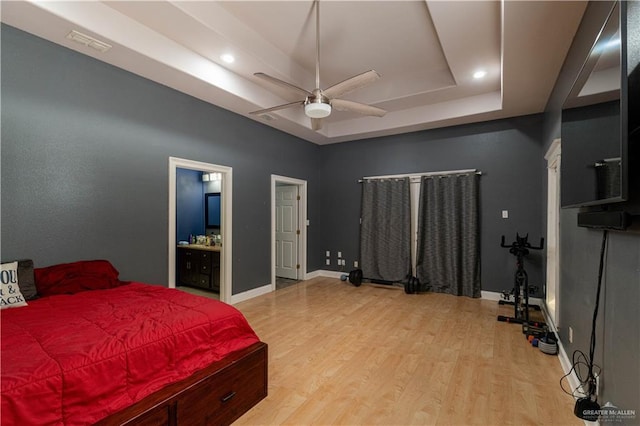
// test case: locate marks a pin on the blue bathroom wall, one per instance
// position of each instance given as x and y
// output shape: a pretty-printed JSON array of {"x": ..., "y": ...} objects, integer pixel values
[{"x": 189, "y": 204}]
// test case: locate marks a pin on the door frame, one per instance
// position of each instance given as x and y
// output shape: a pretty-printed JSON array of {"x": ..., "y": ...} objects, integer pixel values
[
  {"x": 226, "y": 276},
  {"x": 552, "y": 295},
  {"x": 302, "y": 225}
]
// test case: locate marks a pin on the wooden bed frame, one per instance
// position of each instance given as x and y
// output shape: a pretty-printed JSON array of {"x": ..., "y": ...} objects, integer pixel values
[{"x": 216, "y": 395}]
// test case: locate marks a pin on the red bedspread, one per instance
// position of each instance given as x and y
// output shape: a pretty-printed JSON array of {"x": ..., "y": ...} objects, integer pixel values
[{"x": 74, "y": 359}]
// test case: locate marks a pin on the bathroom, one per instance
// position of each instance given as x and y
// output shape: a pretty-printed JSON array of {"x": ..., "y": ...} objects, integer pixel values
[{"x": 198, "y": 230}]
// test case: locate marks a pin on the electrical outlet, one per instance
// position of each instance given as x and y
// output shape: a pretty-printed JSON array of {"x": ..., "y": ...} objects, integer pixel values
[
  {"x": 505, "y": 214},
  {"x": 570, "y": 334},
  {"x": 328, "y": 261},
  {"x": 339, "y": 254},
  {"x": 355, "y": 263},
  {"x": 328, "y": 253}
]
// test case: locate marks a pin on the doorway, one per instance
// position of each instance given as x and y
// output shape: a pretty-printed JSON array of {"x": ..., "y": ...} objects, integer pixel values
[
  {"x": 288, "y": 229},
  {"x": 552, "y": 290},
  {"x": 226, "y": 179}
]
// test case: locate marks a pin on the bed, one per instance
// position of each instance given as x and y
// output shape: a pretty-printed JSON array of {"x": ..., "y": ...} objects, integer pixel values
[{"x": 92, "y": 349}]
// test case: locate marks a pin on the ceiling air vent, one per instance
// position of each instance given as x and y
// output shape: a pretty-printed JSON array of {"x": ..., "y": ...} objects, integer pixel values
[{"x": 88, "y": 41}]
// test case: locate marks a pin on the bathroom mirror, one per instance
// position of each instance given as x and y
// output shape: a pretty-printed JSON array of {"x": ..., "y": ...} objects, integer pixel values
[{"x": 212, "y": 209}]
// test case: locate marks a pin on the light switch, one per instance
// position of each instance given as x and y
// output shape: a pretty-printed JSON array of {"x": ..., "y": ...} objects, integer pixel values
[
  {"x": 339, "y": 254},
  {"x": 328, "y": 253},
  {"x": 505, "y": 214}
]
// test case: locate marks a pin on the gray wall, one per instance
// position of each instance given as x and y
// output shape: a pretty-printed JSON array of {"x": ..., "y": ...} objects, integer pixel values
[
  {"x": 507, "y": 152},
  {"x": 618, "y": 337},
  {"x": 85, "y": 150}
]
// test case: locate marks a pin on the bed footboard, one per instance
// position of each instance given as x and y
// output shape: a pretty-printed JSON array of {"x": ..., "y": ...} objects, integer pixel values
[{"x": 216, "y": 395}]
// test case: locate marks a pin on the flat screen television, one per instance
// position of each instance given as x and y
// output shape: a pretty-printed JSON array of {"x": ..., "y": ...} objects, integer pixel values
[{"x": 594, "y": 165}]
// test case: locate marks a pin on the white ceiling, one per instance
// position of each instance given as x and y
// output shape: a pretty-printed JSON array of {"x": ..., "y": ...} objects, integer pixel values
[{"x": 426, "y": 53}]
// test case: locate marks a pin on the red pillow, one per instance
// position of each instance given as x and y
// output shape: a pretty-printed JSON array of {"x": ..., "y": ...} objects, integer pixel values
[{"x": 70, "y": 278}]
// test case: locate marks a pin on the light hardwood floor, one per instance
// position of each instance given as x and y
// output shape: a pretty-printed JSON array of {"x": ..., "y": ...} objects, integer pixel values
[{"x": 341, "y": 355}]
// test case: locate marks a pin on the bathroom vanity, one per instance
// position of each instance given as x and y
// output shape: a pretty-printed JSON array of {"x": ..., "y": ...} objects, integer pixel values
[{"x": 199, "y": 266}]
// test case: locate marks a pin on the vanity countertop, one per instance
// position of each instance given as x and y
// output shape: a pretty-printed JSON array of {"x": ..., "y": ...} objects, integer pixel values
[{"x": 200, "y": 247}]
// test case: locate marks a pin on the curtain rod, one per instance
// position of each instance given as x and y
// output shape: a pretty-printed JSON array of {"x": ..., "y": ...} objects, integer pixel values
[{"x": 420, "y": 175}]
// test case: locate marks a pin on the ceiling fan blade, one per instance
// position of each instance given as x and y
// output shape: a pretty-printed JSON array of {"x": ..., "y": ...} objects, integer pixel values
[
  {"x": 276, "y": 108},
  {"x": 292, "y": 89},
  {"x": 316, "y": 123},
  {"x": 351, "y": 84},
  {"x": 344, "y": 105}
]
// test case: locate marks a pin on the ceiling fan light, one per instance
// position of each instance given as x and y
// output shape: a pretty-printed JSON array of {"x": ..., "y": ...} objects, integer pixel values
[{"x": 317, "y": 110}]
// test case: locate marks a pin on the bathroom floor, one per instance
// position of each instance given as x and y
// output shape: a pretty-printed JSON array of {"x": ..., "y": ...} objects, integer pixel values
[{"x": 199, "y": 292}]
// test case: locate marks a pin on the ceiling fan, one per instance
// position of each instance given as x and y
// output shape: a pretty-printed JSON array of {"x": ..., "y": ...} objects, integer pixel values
[{"x": 319, "y": 103}]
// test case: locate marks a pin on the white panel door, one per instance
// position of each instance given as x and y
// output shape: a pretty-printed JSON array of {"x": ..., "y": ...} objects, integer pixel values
[{"x": 287, "y": 231}]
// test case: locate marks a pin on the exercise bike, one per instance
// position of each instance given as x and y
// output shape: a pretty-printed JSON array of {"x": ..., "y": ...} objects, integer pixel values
[{"x": 520, "y": 249}]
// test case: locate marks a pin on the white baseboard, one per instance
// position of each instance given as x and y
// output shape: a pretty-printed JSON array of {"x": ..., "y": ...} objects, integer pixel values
[
  {"x": 250, "y": 294},
  {"x": 312, "y": 274},
  {"x": 491, "y": 295},
  {"x": 497, "y": 296},
  {"x": 324, "y": 273}
]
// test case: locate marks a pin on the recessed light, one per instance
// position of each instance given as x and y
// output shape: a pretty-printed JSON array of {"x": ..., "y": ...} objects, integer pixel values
[
  {"x": 228, "y": 58},
  {"x": 479, "y": 74}
]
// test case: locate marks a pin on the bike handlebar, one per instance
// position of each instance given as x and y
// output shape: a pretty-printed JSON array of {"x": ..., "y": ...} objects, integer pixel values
[{"x": 526, "y": 244}]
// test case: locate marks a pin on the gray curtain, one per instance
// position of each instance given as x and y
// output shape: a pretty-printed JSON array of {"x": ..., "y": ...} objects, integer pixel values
[
  {"x": 385, "y": 230},
  {"x": 448, "y": 251}
]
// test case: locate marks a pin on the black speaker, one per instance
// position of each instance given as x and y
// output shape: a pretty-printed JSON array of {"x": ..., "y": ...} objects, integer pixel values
[{"x": 617, "y": 220}]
